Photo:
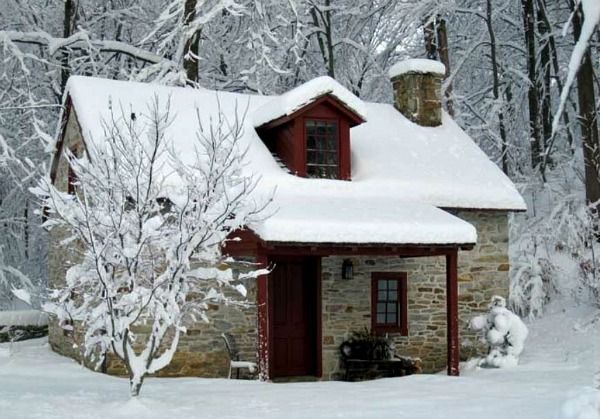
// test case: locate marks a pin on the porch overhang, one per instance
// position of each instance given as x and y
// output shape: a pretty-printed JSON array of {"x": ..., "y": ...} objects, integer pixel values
[{"x": 263, "y": 250}]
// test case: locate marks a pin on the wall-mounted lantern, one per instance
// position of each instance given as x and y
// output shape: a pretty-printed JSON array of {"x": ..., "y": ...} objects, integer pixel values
[{"x": 347, "y": 269}]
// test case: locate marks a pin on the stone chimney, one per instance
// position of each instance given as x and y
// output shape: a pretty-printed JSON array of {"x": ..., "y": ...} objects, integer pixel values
[{"x": 417, "y": 90}]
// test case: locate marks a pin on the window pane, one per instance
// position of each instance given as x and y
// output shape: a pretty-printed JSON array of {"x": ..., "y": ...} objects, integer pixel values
[
  {"x": 391, "y": 307},
  {"x": 382, "y": 295},
  {"x": 322, "y": 148},
  {"x": 381, "y": 318},
  {"x": 393, "y": 284},
  {"x": 382, "y": 284},
  {"x": 391, "y": 318},
  {"x": 332, "y": 143},
  {"x": 381, "y": 307},
  {"x": 392, "y": 295}
]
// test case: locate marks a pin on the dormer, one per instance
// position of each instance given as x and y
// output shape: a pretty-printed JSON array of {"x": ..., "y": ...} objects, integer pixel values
[{"x": 308, "y": 128}]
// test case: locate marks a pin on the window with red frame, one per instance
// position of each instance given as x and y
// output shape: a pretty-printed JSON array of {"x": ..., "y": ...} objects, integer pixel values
[
  {"x": 389, "y": 303},
  {"x": 322, "y": 149}
]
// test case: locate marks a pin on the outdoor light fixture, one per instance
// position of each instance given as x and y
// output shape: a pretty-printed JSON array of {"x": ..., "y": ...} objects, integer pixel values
[{"x": 347, "y": 269}]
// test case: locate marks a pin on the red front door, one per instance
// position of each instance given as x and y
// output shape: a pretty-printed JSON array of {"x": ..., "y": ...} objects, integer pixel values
[{"x": 293, "y": 309}]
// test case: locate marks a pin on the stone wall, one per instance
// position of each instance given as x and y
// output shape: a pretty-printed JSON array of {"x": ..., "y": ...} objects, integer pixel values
[
  {"x": 60, "y": 257},
  {"x": 201, "y": 351},
  {"x": 483, "y": 272}
]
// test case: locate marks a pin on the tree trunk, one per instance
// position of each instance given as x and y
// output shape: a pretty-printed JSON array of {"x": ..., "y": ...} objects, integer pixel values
[
  {"x": 587, "y": 118},
  {"x": 329, "y": 38},
  {"x": 436, "y": 47},
  {"x": 26, "y": 229},
  {"x": 442, "y": 36},
  {"x": 532, "y": 95},
  {"x": 135, "y": 386},
  {"x": 68, "y": 25},
  {"x": 430, "y": 41},
  {"x": 190, "y": 57},
  {"x": 496, "y": 86},
  {"x": 325, "y": 40}
]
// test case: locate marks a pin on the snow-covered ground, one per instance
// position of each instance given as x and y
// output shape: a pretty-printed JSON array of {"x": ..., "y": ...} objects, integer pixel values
[{"x": 558, "y": 363}]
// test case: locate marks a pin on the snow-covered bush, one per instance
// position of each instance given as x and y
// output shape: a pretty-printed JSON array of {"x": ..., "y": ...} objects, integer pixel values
[
  {"x": 503, "y": 331},
  {"x": 531, "y": 285},
  {"x": 149, "y": 228}
]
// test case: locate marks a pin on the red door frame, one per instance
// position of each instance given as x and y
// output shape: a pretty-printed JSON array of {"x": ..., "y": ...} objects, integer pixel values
[{"x": 265, "y": 313}]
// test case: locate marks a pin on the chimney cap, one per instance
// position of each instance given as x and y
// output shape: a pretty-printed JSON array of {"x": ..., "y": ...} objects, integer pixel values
[{"x": 419, "y": 66}]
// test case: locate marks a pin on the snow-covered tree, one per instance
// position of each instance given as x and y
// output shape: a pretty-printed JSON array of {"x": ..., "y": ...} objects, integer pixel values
[
  {"x": 150, "y": 230},
  {"x": 591, "y": 12},
  {"x": 503, "y": 331}
]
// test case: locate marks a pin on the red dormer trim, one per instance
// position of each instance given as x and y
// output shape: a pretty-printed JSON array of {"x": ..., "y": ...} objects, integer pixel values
[
  {"x": 286, "y": 136},
  {"x": 325, "y": 99}
]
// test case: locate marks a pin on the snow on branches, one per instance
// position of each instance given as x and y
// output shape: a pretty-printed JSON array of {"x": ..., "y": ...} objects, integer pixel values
[
  {"x": 503, "y": 331},
  {"x": 149, "y": 229}
]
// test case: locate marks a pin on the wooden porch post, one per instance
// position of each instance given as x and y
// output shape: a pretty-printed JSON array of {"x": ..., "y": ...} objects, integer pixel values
[
  {"x": 262, "y": 307},
  {"x": 452, "y": 311}
]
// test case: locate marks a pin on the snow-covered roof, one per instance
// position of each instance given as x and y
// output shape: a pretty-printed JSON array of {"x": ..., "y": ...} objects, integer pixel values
[
  {"x": 23, "y": 318},
  {"x": 417, "y": 65},
  {"x": 371, "y": 221},
  {"x": 306, "y": 93},
  {"x": 400, "y": 171}
]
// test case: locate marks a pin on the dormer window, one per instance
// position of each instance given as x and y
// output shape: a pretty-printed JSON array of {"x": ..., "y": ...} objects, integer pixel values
[
  {"x": 307, "y": 129},
  {"x": 322, "y": 148}
]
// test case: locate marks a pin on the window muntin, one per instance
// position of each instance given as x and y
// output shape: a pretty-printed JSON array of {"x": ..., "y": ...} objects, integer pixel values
[
  {"x": 322, "y": 149},
  {"x": 389, "y": 303}
]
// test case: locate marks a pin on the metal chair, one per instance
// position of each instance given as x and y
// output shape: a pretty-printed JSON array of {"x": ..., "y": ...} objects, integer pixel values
[{"x": 234, "y": 357}]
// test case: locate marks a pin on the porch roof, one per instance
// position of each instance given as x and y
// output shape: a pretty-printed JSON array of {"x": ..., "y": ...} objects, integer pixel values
[{"x": 381, "y": 221}]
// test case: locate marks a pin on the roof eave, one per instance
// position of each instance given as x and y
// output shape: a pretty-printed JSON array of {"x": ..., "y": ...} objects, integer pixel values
[
  {"x": 342, "y": 245},
  {"x": 354, "y": 117}
]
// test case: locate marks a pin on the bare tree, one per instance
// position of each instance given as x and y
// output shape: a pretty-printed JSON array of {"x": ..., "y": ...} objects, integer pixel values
[{"x": 150, "y": 229}]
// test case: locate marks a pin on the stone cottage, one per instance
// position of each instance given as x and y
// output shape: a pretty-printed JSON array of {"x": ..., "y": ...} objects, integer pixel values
[{"x": 387, "y": 217}]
